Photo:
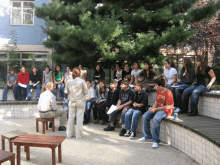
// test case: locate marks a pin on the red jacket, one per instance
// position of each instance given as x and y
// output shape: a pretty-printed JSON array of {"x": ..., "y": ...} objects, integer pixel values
[{"x": 23, "y": 79}]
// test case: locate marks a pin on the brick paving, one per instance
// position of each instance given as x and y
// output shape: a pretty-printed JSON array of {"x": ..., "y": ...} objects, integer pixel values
[{"x": 96, "y": 147}]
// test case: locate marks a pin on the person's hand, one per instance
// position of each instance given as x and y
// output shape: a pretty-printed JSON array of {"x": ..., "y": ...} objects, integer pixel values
[
  {"x": 56, "y": 82},
  {"x": 174, "y": 84},
  {"x": 119, "y": 107},
  {"x": 97, "y": 102},
  {"x": 34, "y": 85},
  {"x": 107, "y": 108},
  {"x": 135, "y": 104},
  {"x": 208, "y": 86},
  {"x": 178, "y": 80},
  {"x": 152, "y": 110},
  {"x": 10, "y": 85}
]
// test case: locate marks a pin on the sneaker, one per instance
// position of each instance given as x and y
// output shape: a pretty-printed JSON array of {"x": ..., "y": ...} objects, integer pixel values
[
  {"x": 122, "y": 132},
  {"x": 155, "y": 145},
  {"x": 133, "y": 134},
  {"x": 62, "y": 128},
  {"x": 50, "y": 125},
  {"x": 143, "y": 139},
  {"x": 28, "y": 99},
  {"x": 177, "y": 110},
  {"x": 128, "y": 133},
  {"x": 109, "y": 128}
]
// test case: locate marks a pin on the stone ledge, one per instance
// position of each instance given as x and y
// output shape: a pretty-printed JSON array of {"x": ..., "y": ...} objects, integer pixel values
[{"x": 32, "y": 102}]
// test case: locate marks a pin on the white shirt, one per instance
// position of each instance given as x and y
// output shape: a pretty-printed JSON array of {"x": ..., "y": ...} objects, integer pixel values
[
  {"x": 134, "y": 73},
  {"x": 77, "y": 89},
  {"x": 68, "y": 76},
  {"x": 47, "y": 101},
  {"x": 81, "y": 74},
  {"x": 169, "y": 74},
  {"x": 91, "y": 93}
]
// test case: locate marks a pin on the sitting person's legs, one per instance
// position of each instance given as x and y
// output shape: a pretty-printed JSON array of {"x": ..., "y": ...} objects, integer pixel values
[
  {"x": 29, "y": 87},
  {"x": 89, "y": 105},
  {"x": 5, "y": 92},
  {"x": 38, "y": 86},
  {"x": 14, "y": 87},
  {"x": 102, "y": 112},
  {"x": 122, "y": 121},
  {"x": 112, "y": 118}
]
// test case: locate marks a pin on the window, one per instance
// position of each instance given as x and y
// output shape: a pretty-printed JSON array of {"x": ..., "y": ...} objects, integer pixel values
[{"x": 22, "y": 12}]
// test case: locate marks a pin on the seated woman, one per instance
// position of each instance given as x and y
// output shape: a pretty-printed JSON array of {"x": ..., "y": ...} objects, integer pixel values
[
  {"x": 58, "y": 78},
  {"x": 47, "y": 77},
  {"x": 170, "y": 73},
  {"x": 162, "y": 107},
  {"x": 112, "y": 99},
  {"x": 205, "y": 79},
  {"x": 187, "y": 76},
  {"x": 127, "y": 70},
  {"x": 137, "y": 69},
  {"x": 147, "y": 76},
  {"x": 99, "y": 75},
  {"x": 119, "y": 74},
  {"x": 102, "y": 94}
]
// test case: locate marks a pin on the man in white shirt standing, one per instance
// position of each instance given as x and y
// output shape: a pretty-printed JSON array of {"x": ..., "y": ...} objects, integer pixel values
[
  {"x": 77, "y": 90},
  {"x": 47, "y": 106}
]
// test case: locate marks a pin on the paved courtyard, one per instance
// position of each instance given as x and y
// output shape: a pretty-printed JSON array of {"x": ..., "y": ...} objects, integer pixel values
[{"x": 96, "y": 147}]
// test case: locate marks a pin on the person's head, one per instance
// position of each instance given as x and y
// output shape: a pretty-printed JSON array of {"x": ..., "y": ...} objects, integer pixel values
[
  {"x": 98, "y": 67},
  {"x": 76, "y": 72},
  {"x": 137, "y": 86},
  {"x": 102, "y": 84},
  {"x": 136, "y": 65},
  {"x": 168, "y": 63},
  {"x": 200, "y": 62},
  {"x": 127, "y": 67},
  {"x": 80, "y": 66},
  {"x": 57, "y": 69},
  {"x": 34, "y": 68},
  {"x": 88, "y": 83},
  {"x": 50, "y": 86},
  {"x": 147, "y": 65},
  {"x": 124, "y": 85},
  {"x": 12, "y": 71},
  {"x": 187, "y": 64},
  {"x": 113, "y": 84},
  {"x": 47, "y": 69},
  {"x": 68, "y": 69},
  {"x": 22, "y": 69},
  {"x": 118, "y": 66},
  {"x": 159, "y": 83}
]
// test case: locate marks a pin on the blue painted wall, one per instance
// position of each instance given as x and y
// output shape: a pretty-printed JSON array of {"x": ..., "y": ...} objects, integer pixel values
[{"x": 27, "y": 35}]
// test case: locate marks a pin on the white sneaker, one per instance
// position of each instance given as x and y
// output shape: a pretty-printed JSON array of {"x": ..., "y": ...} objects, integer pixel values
[
  {"x": 143, "y": 139},
  {"x": 155, "y": 145},
  {"x": 177, "y": 110}
]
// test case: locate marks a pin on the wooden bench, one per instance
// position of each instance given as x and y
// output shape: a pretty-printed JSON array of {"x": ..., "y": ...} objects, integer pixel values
[
  {"x": 10, "y": 136},
  {"x": 45, "y": 124},
  {"x": 5, "y": 156},
  {"x": 31, "y": 140}
]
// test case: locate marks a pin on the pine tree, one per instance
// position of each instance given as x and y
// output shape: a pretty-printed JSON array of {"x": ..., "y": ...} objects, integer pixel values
[{"x": 88, "y": 30}]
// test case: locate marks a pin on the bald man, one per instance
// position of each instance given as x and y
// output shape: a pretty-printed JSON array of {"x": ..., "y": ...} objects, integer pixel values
[{"x": 47, "y": 106}]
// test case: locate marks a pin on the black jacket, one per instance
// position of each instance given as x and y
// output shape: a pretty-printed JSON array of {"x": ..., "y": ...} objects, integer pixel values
[{"x": 112, "y": 98}]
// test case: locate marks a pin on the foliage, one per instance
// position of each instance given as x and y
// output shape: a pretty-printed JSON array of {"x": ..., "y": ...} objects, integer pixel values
[{"x": 85, "y": 31}]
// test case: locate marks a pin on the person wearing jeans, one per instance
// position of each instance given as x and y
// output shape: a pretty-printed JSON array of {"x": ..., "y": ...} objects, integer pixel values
[
  {"x": 139, "y": 107},
  {"x": 162, "y": 107},
  {"x": 11, "y": 83},
  {"x": 34, "y": 81},
  {"x": 23, "y": 80},
  {"x": 58, "y": 77},
  {"x": 205, "y": 78}
]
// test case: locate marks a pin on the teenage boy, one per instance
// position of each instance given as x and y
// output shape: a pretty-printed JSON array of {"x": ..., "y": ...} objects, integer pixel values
[
  {"x": 23, "y": 80},
  {"x": 126, "y": 98},
  {"x": 112, "y": 99},
  {"x": 162, "y": 107},
  {"x": 11, "y": 83},
  {"x": 34, "y": 81},
  {"x": 139, "y": 108},
  {"x": 90, "y": 101}
]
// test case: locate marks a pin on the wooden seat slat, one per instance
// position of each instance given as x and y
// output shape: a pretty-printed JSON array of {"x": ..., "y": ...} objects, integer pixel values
[{"x": 5, "y": 154}]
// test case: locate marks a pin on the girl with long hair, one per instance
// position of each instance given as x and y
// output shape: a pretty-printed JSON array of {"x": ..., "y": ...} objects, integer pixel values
[
  {"x": 119, "y": 74},
  {"x": 170, "y": 73},
  {"x": 205, "y": 77},
  {"x": 47, "y": 77},
  {"x": 58, "y": 78},
  {"x": 137, "y": 69}
]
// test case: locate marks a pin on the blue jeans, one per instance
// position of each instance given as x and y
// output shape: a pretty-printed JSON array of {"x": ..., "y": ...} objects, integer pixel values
[
  {"x": 178, "y": 92},
  {"x": 89, "y": 105},
  {"x": 132, "y": 115},
  {"x": 5, "y": 92},
  {"x": 38, "y": 86},
  {"x": 157, "y": 118},
  {"x": 195, "y": 91},
  {"x": 60, "y": 87},
  {"x": 173, "y": 92},
  {"x": 21, "y": 93}
]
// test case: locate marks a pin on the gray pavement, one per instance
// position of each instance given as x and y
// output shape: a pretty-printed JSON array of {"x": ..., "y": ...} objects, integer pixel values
[{"x": 96, "y": 147}]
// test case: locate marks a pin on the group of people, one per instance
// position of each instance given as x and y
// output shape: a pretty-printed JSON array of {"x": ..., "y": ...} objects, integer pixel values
[{"x": 128, "y": 93}]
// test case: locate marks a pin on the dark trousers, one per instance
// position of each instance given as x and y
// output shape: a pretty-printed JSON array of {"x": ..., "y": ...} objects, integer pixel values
[
  {"x": 102, "y": 112},
  {"x": 21, "y": 93},
  {"x": 113, "y": 116},
  {"x": 89, "y": 105},
  {"x": 96, "y": 114}
]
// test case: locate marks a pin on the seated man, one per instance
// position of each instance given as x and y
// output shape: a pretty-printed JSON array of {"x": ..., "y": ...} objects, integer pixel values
[
  {"x": 112, "y": 99},
  {"x": 47, "y": 106},
  {"x": 126, "y": 98},
  {"x": 139, "y": 107},
  {"x": 90, "y": 101},
  {"x": 34, "y": 81},
  {"x": 162, "y": 107},
  {"x": 11, "y": 83},
  {"x": 23, "y": 80}
]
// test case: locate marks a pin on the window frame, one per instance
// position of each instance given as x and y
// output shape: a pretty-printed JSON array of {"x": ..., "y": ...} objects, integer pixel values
[{"x": 22, "y": 12}]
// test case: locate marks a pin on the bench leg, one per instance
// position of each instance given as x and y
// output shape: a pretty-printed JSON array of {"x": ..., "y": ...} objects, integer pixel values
[
  {"x": 43, "y": 127},
  {"x": 3, "y": 143},
  {"x": 59, "y": 153},
  {"x": 10, "y": 146},
  {"x": 18, "y": 155},
  {"x": 13, "y": 160},
  {"x": 53, "y": 156},
  {"x": 37, "y": 128},
  {"x": 27, "y": 150},
  {"x": 53, "y": 126},
  {"x": 46, "y": 125}
]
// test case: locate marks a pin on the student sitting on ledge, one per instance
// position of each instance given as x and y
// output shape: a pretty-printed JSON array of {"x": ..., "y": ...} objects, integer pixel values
[
  {"x": 23, "y": 80},
  {"x": 162, "y": 107},
  {"x": 139, "y": 107}
]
